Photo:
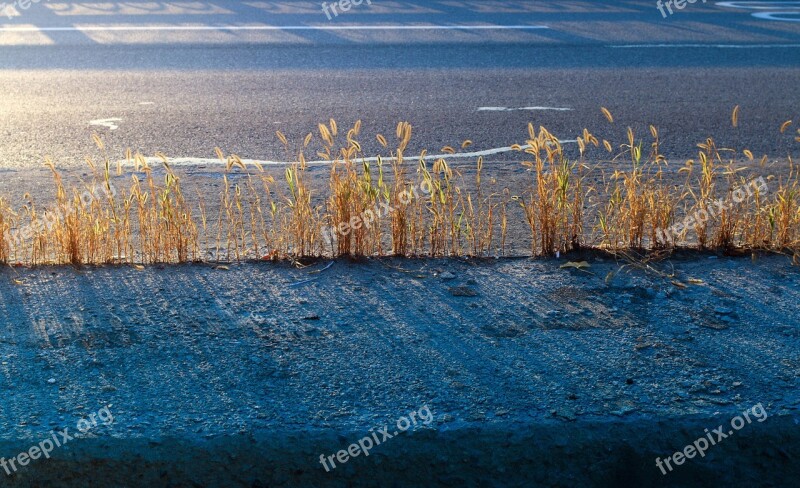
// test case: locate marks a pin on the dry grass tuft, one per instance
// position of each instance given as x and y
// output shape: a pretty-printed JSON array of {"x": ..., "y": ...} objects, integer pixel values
[{"x": 627, "y": 199}]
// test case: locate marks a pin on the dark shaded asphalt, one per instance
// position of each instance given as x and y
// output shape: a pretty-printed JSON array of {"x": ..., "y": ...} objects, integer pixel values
[{"x": 540, "y": 377}]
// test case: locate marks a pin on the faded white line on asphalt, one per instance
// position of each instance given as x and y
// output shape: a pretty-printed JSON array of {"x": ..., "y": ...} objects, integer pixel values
[
  {"x": 793, "y": 16},
  {"x": 758, "y": 5},
  {"x": 251, "y": 162},
  {"x": 108, "y": 123},
  {"x": 722, "y": 46},
  {"x": 506, "y": 109},
  {"x": 146, "y": 28}
]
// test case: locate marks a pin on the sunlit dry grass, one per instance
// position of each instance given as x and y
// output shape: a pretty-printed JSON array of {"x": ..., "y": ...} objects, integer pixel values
[{"x": 615, "y": 198}]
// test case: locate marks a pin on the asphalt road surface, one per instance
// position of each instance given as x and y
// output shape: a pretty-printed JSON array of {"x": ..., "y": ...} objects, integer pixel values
[
  {"x": 185, "y": 77},
  {"x": 537, "y": 377}
]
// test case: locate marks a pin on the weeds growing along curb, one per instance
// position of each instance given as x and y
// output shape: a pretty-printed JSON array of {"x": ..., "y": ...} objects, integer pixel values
[{"x": 627, "y": 203}]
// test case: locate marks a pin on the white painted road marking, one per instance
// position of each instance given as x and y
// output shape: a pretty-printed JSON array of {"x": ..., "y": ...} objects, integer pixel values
[
  {"x": 784, "y": 16},
  {"x": 506, "y": 109},
  {"x": 780, "y": 11},
  {"x": 251, "y": 162},
  {"x": 759, "y": 5},
  {"x": 108, "y": 123},
  {"x": 720, "y": 46},
  {"x": 95, "y": 28}
]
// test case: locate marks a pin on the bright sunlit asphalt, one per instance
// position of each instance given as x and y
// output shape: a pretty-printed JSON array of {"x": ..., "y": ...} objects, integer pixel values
[{"x": 184, "y": 77}]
